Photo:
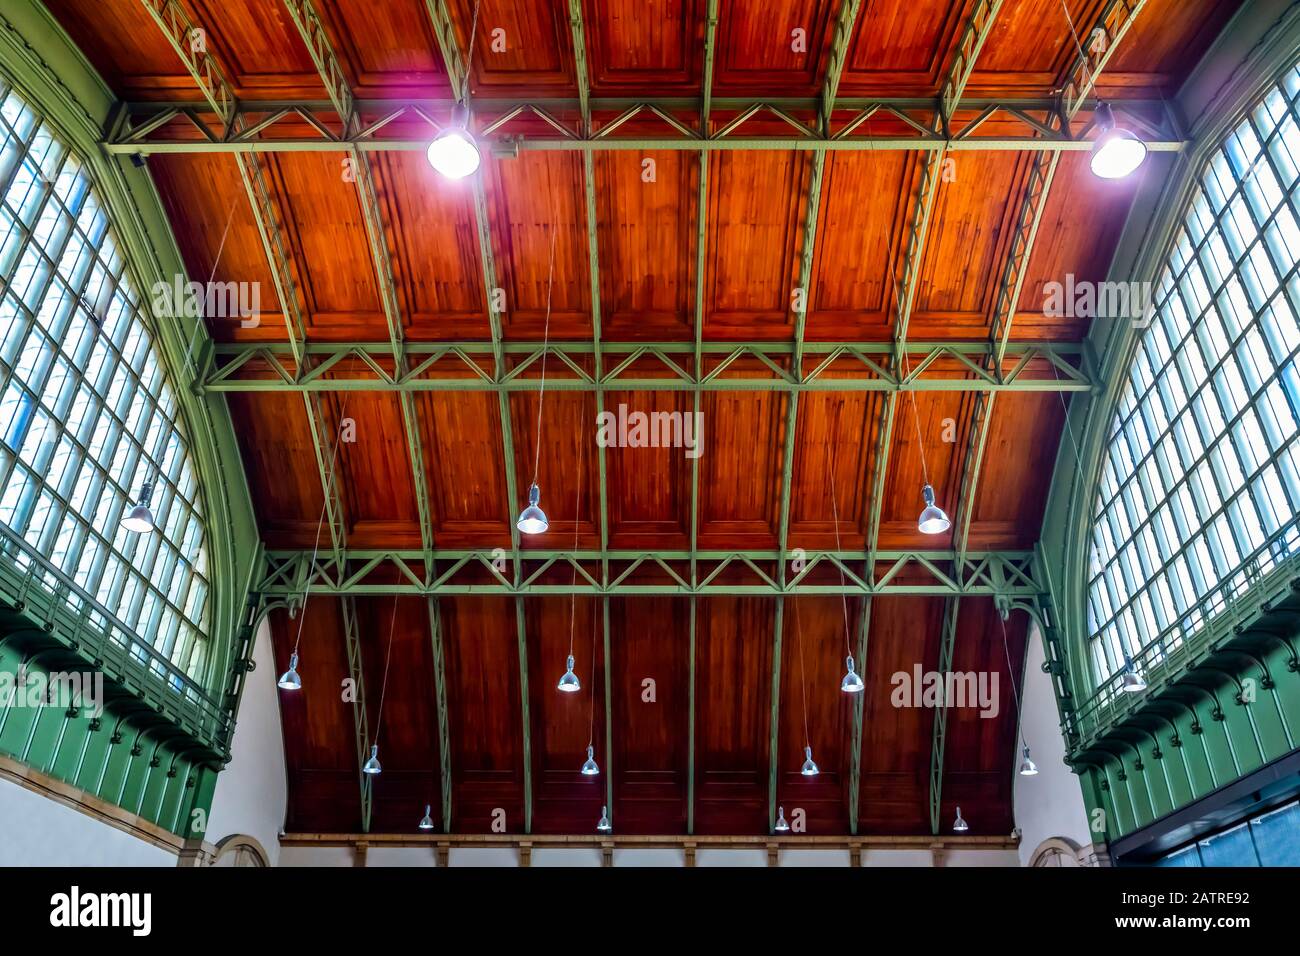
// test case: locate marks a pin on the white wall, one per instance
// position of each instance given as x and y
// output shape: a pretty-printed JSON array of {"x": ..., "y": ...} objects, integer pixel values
[
  {"x": 251, "y": 791},
  {"x": 36, "y": 830},
  {"x": 1051, "y": 803}
]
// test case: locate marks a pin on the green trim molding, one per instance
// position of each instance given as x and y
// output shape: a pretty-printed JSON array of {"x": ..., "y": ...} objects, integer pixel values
[
  {"x": 1228, "y": 701},
  {"x": 154, "y": 751}
]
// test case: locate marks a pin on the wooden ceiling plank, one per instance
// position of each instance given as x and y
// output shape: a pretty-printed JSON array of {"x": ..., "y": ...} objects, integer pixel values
[{"x": 312, "y": 30}]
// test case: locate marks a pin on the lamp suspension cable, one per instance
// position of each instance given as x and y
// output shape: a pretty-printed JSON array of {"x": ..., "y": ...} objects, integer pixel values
[
  {"x": 809, "y": 768},
  {"x": 1027, "y": 767},
  {"x": 532, "y": 520},
  {"x": 371, "y": 766},
  {"x": 852, "y": 683},
  {"x": 569, "y": 680},
  {"x": 290, "y": 679}
]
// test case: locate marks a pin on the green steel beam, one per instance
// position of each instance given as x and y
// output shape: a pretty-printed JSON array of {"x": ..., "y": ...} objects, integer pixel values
[
  {"x": 360, "y": 720},
  {"x": 697, "y": 371},
  {"x": 260, "y": 127},
  {"x": 844, "y": 22},
  {"x": 1114, "y": 22},
  {"x": 314, "y": 37},
  {"x": 180, "y": 32},
  {"x": 455, "y": 66},
  {"x": 978, "y": 25},
  {"x": 774, "y": 715},
  {"x": 459, "y": 366},
  {"x": 855, "y": 755},
  {"x": 1006, "y": 573},
  {"x": 947, "y": 640},
  {"x": 440, "y": 696}
]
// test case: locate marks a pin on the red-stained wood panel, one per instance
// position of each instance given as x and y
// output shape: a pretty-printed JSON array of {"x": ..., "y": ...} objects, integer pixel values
[
  {"x": 213, "y": 222},
  {"x": 539, "y": 232},
  {"x": 388, "y": 49},
  {"x": 398, "y": 671},
  {"x": 815, "y": 712},
  {"x": 565, "y": 801},
  {"x": 740, "y": 479},
  {"x": 834, "y": 443},
  {"x": 1168, "y": 38},
  {"x": 1024, "y": 434},
  {"x": 753, "y": 256},
  {"x": 901, "y": 47},
  {"x": 260, "y": 47},
  {"x": 435, "y": 253},
  {"x": 645, "y": 214},
  {"x": 650, "y": 681},
  {"x": 643, "y": 46},
  {"x": 894, "y": 794},
  {"x": 937, "y": 453},
  {"x": 272, "y": 431},
  {"x": 733, "y": 693},
  {"x": 1077, "y": 236},
  {"x": 650, "y": 485},
  {"x": 858, "y": 232},
  {"x": 374, "y": 465},
  {"x": 484, "y": 708},
  {"x": 772, "y": 44},
  {"x": 328, "y": 238},
  {"x": 517, "y": 44},
  {"x": 319, "y": 736},
  {"x": 568, "y": 448},
  {"x": 460, "y": 433},
  {"x": 974, "y": 210},
  {"x": 981, "y": 750}
]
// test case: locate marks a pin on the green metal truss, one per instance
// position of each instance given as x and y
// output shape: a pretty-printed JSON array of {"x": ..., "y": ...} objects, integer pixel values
[
  {"x": 462, "y": 366},
  {"x": 928, "y": 129},
  {"x": 1114, "y": 21}
]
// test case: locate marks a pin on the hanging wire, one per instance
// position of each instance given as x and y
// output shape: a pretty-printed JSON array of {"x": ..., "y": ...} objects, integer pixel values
[
  {"x": 388, "y": 658},
  {"x": 577, "y": 511},
  {"x": 469, "y": 55},
  {"x": 320, "y": 524},
  {"x": 916, "y": 418},
  {"x": 1083, "y": 57},
  {"x": 803, "y": 682},
  {"x": 591, "y": 714},
  {"x": 835, "y": 513},
  {"x": 1011, "y": 675},
  {"x": 189, "y": 346},
  {"x": 546, "y": 336}
]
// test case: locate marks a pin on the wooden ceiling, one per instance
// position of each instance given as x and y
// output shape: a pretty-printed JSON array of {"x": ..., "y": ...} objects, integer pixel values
[{"x": 756, "y": 205}]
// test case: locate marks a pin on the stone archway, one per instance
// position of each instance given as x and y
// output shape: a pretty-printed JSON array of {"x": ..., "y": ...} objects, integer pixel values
[{"x": 240, "y": 849}]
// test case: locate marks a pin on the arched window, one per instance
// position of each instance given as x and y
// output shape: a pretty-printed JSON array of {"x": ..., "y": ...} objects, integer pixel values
[
  {"x": 86, "y": 413},
  {"x": 1200, "y": 485}
]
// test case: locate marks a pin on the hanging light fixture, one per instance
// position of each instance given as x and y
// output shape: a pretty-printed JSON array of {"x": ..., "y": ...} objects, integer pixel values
[
  {"x": 603, "y": 826},
  {"x": 426, "y": 821},
  {"x": 532, "y": 520},
  {"x": 1132, "y": 682},
  {"x": 959, "y": 825},
  {"x": 569, "y": 682},
  {"x": 1117, "y": 152},
  {"x": 371, "y": 766},
  {"x": 932, "y": 520},
  {"x": 852, "y": 683},
  {"x": 781, "y": 825},
  {"x": 140, "y": 519},
  {"x": 454, "y": 153},
  {"x": 809, "y": 769},
  {"x": 589, "y": 767},
  {"x": 1027, "y": 767},
  {"x": 290, "y": 680}
]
